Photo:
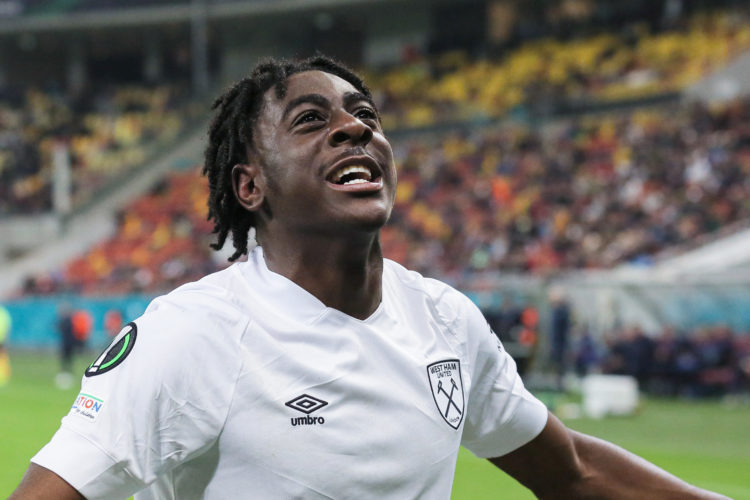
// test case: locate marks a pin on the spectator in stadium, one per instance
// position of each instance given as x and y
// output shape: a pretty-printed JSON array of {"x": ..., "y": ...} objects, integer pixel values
[
  {"x": 560, "y": 332},
  {"x": 384, "y": 373},
  {"x": 703, "y": 362},
  {"x": 112, "y": 322},
  {"x": 640, "y": 356},
  {"x": 663, "y": 380},
  {"x": 716, "y": 351},
  {"x": 66, "y": 331},
  {"x": 504, "y": 320},
  {"x": 82, "y": 324},
  {"x": 586, "y": 355},
  {"x": 5, "y": 325},
  {"x": 742, "y": 380}
]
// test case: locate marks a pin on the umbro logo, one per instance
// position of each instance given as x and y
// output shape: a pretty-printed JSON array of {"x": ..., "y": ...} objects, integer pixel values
[{"x": 306, "y": 404}]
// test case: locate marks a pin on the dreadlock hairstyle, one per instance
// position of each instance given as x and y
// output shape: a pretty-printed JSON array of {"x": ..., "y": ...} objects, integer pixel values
[{"x": 230, "y": 137}]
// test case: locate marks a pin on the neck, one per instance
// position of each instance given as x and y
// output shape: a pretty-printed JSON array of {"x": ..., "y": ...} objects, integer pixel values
[{"x": 343, "y": 273}]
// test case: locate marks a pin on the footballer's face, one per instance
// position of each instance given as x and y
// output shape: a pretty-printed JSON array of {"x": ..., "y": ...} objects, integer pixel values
[{"x": 327, "y": 166}]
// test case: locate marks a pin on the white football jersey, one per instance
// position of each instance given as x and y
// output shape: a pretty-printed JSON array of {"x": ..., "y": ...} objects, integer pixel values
[{"x": 244, "y": 385}]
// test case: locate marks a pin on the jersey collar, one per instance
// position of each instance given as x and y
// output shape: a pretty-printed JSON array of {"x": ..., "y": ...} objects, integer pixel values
[{"x": 281, "y": 292}]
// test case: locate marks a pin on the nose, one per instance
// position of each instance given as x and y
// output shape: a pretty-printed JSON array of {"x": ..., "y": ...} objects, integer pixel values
[{"x": 348, "y": 129}]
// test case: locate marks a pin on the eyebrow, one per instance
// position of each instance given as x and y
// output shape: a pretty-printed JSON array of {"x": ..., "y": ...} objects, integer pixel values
[
  {"x": 350, "y": 98},
  {"x": 353, "y": 97},
  {"x": 316, "y": 99}
]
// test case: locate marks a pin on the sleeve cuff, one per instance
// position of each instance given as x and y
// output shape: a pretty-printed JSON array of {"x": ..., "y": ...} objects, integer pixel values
[
  {"x": 526, "y": 426},
  {"x": 86, "y": 467}
]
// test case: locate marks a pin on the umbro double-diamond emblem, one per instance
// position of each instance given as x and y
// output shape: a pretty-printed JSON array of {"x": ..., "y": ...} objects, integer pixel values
[{"x": 306, "y": 404}]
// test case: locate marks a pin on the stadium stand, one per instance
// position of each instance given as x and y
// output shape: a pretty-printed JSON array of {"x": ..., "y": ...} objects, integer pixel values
[
  {"x": 501, "y": 177},
  {"x": 549, "y": 75},
  {"x": 113, "y": 131},
  {"x": 104, "y": 136},
  {"x": 539, "y": 75},
  {"x": 590, "y": 192},
  {"x": 161, "y": 242}
]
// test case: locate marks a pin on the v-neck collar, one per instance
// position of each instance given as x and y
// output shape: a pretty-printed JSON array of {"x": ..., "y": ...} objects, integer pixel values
[{"x": 286, "y": 294}]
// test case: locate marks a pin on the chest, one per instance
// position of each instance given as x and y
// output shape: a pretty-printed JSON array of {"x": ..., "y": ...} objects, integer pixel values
[{"x": 383, "y": 404}]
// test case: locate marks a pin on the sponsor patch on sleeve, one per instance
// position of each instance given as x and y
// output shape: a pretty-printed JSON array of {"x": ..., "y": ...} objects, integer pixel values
[
  {"x": 87, "y": 407},
  {"x": 116, "y": 353}
]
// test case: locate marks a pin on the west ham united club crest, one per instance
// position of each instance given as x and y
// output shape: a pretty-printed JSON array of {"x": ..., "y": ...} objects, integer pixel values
[{"x": 448, "y": 390}]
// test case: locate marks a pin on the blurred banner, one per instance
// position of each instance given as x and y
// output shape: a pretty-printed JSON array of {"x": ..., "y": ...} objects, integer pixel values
[{"x": 35, "y": 320}]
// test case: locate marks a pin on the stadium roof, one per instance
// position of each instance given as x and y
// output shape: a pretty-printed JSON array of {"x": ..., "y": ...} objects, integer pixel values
[{"x": 159, "y": 13}]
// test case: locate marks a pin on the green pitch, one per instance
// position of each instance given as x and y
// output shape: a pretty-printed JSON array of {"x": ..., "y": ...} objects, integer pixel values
[{"x": 706, "y": 443}]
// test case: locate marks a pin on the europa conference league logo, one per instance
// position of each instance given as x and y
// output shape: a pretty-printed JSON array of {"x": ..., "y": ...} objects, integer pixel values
[{"x": 116, "y": 353}]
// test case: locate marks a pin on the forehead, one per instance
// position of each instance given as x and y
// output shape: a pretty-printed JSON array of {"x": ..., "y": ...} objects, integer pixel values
[
  {"x": 308, "y": 82},
  {"x": 318, "y": 82}
]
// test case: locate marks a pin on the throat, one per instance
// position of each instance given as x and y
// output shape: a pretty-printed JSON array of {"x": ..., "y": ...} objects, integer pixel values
[{"x": 344, "y": 279}]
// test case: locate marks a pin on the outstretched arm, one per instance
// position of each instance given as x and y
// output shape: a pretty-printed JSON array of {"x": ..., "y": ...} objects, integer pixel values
[
  {"x": 39, "y": 483},
  {"x": 563, "y": 464}
]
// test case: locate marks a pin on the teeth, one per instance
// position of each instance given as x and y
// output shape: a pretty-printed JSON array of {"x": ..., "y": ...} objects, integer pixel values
[
  {"x": 355, "y": 181},
  {"x": 352, "y": 169}
]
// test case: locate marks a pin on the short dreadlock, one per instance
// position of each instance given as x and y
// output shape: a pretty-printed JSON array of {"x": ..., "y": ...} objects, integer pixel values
[{"x": 231, "y": 135}]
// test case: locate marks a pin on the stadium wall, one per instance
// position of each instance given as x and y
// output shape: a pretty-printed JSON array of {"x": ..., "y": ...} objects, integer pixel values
[
  {"x": 602, "y": 302},
  {"x": 341, "y": 33},
  {"x": 388, "y": 36},
  {"x": 722, "y": 255},
  {"x": 35, "y": 319},
  {"x": 725, "y": 84},
  {"x": 17, "y": 238},
  {"x": 96, "y": 222}
]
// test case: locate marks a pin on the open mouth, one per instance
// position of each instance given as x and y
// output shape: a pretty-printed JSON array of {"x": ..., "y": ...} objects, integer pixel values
[{"x": 352, "y": 174}]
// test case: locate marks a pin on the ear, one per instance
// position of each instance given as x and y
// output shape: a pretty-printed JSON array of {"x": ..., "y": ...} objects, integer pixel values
[{"x": 249, "y": 186}]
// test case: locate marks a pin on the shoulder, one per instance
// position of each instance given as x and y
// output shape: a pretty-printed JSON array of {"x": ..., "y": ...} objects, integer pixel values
[
  {"x": 211, "y": 298},
  {"x": 200, "y": 312},
  {"x": 449, "y": 304},
  {"x": 195, "y": 325}
]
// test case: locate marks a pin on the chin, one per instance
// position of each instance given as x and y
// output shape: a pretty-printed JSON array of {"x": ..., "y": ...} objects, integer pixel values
[{"x": 369, "y": 223}]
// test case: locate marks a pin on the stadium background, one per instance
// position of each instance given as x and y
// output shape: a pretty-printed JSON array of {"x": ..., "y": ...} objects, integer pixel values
[{"x": 578, "y": 167}]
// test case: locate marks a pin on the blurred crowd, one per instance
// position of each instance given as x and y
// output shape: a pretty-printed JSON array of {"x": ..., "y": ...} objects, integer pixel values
[
  {"x": 590, "y": 192},
  {"x": 161, "y": 241},
  {"x": 100, "y": 135},
  {"x": 108, "y": 130},
  {"x": 708, "y": 361},
  {"x": 548, "y": 74}
]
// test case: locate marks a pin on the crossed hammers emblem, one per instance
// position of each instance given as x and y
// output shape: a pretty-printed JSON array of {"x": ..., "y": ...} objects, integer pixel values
[{"x": 449, "y": 396}]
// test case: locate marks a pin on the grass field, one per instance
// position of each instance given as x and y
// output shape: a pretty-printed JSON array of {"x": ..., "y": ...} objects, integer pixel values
[{"x": 706, "y": 443}]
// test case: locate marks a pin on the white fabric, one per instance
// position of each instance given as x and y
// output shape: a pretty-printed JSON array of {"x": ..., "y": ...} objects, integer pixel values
[{"x": 197, "y": 409}]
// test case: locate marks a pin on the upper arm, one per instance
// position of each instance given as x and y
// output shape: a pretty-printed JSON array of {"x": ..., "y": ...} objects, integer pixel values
[
  {"x": 501, "y": 414},
  {"x": 152, "y": 410},
  {"x": 40, "y": 483},
  {"x": 561, "y": 463},
  {"x": 547, "y": 463}
]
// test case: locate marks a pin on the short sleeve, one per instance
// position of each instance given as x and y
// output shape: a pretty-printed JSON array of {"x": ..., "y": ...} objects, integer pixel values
[
  {"x": 150, "y": 404},
  {"x": 502, "y": 415}
]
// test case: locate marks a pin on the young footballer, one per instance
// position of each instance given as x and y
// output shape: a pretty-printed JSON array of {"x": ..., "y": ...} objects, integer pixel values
[{"x": 316, "y": 369}]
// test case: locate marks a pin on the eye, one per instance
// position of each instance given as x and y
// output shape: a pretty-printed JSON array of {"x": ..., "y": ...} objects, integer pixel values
[
  {"x": 309, "y": 116},
  {"x": 366, "y": 114}
]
